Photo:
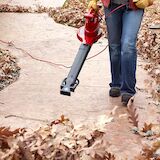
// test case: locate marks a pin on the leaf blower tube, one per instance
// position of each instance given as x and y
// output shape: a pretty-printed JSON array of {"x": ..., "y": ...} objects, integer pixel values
[
  {"x": 70, "y": 83},
  {"x": 88, "y": 34}
]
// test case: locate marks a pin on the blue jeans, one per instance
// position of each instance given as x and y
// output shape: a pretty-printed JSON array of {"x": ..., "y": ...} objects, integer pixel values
[{"x": 123, "y": 26}]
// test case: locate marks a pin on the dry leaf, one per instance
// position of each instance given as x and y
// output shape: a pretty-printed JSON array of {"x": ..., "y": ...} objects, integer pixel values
[
  {"x": 62, "y": 119},
  {"x": 114, "y": 110},
  {"x": 156, "y": 129},
  {"x": 98, "y": 149},
  {"x": 5, "y": 132},
  {"x": 147, "y": 127},
  {"x": 110, "y": 156},
  {"x": 148, "y": 46},
  {"x": 104, "y": 119},
  {"x": 4, "y": 144},
  {"x": 156, "y": 146},
  {"x": 133, "y": 116}
]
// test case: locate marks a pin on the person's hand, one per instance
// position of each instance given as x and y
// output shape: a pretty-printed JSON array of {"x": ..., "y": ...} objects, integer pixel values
[
  {"x": 93, "y": 5},
  {"x": 143, "y": 3}
]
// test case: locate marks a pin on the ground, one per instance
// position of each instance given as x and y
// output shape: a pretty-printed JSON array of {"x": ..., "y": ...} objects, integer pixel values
[{"x": 35, "y": 100}]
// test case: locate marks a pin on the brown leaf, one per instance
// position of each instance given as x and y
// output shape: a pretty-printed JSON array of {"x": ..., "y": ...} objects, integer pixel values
[
  {"x": 147, "y": 127},
  {"x": 37, "y": 156},
  {"x": 133, "y": 116},
  {"x": 156, "y": 145},
  {"x": 5, "y": 132},
  {"x": 4, "y": 144},
  {"x": 147, "y": 152},
  {"x": 156, "y": 129},
  {"x": 110, "y": 156},
  {"x": 62, "y": 119},
  {"x": 97, "y": 150}
]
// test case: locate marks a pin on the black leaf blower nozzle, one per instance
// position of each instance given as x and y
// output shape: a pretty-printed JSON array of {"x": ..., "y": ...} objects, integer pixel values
[{"x": 71, "y": 82}]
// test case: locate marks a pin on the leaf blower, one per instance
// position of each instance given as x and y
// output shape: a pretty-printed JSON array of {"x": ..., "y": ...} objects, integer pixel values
[{"x": 88, "y": 34}]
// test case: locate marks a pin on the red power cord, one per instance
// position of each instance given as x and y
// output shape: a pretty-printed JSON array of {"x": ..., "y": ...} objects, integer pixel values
[{"x": 10, "y": 43}]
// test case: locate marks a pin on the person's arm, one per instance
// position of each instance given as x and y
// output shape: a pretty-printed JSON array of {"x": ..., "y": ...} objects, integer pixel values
[{"x": 93, "y": 5}]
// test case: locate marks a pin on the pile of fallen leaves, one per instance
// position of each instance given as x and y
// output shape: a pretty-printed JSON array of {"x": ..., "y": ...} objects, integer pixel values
[
  {"x": 59, "y": 140},
  {"x": 71, "y": 13},
  {"x": 149, "y": 45},
  {"x": 21, "y": 9},
  {"x": 9, "y": 8},
  {"x": 149, "y": 39},
  {"x": 9, "y": 70}
]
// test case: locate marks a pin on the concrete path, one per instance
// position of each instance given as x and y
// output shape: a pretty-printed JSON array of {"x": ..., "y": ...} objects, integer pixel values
[
  {"x": 34, "y": 99},
  {"x": 39, "y": 84},
  {"x": 36, "y": 93}
]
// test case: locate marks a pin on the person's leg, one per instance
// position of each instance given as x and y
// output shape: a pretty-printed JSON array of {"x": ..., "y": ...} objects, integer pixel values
[
  {"x": 114, "y": 28},
  {"x": 131, "y": 24}
]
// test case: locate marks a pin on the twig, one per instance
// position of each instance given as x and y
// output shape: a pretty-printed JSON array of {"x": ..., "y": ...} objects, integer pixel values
[{"x": 28, "y": 118}]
